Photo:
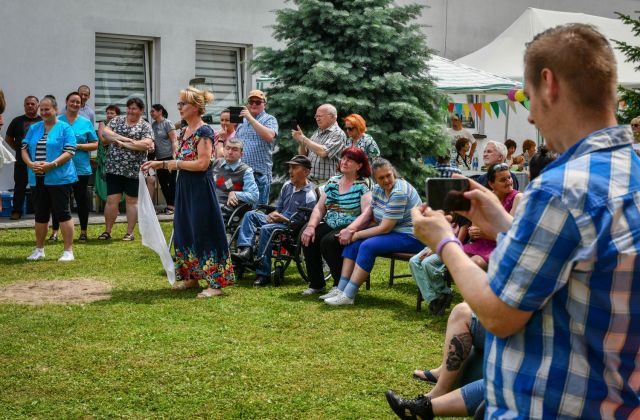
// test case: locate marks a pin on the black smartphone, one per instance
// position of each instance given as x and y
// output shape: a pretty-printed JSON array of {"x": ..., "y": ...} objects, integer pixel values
[
  {"x": 294, "y": 124},
  {"x": 234, "y": 114},
  {"x": 448, "y": 194}
]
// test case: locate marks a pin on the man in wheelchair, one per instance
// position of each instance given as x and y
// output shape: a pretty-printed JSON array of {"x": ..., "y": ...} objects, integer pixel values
[
  {"x": 235, "y": 184},
  {"x": 297, "y": 192}
]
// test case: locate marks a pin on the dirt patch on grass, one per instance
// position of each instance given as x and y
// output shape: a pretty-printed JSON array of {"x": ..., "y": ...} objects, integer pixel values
[{"x": 74, "y": 291}]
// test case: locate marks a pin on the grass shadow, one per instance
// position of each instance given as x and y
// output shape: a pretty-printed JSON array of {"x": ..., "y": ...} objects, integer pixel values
[{"x": 148, "y": 297}]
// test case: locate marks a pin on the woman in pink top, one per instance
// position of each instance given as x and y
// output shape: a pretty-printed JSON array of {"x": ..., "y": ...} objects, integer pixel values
[
  {"x": 501, "y": 183},
  {"x": 227, "y": 131}
]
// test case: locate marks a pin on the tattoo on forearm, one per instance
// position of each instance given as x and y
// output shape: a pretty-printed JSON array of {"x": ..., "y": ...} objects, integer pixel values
[{"x": 459, "y": 349}]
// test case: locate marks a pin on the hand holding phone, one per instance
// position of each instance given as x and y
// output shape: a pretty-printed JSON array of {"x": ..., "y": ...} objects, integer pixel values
[{"x": 234, "y": 114}]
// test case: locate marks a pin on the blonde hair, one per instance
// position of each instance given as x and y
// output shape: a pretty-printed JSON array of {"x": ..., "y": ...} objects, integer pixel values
[
  {"x": 196, "y": 97},
  {"x": 3, "y": 104}
]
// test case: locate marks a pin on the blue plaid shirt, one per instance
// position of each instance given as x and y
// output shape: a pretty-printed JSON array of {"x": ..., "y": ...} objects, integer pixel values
[
  {"x": 447, "y": 170},
  {"x": 571, "y": 257},
  {"x": 257, "y": 152}
]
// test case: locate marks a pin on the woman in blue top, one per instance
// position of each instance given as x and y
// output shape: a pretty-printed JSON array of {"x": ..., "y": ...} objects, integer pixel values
[
  {"x": 392, "y": 231},
  {"x": 47, "y": 150},
  {"x": 86, "y": 142}
]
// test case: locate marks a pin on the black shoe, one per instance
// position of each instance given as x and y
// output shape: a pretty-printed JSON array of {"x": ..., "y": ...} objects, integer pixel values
[
  {"x": 15, "y": 215},
  {"x": 441, "y": 304},
  {"x": 243, "y": 255},
  {"x": 418, "y": 408},
  {"x": 262, "y": 281}
]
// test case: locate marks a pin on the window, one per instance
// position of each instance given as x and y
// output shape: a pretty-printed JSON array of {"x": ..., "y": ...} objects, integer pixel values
[
  {"x": 220, "y": 66},
  {"x": 122, "y": 72}
]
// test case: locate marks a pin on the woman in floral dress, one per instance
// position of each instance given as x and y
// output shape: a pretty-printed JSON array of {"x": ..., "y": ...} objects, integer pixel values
[{"x": 201, "y": 248}]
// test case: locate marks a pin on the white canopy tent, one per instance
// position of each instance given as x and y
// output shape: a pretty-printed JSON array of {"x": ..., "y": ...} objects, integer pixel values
[
  {"x": 456, "y": 78},
  {"x": 504, "y": 55}
]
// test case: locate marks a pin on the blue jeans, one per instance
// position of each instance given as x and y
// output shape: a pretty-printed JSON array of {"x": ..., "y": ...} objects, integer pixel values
[
  {"x": 429, "y": 276},
  {"x": 264, "y": 184},
  {"x": 365, "y": 251},
  {"x": 473, "y": 395},
  {"x": 250, "y": 224}
]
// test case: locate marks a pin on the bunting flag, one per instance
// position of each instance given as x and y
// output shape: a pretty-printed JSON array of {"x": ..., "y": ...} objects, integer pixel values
[
  {"x": 512, "y": 106},
  {"x": 496, "y": 108},
  {"x": 525, "y": 104},
  {"x": 487, "y": 108},
  {"x": 458, "y": 108},
  {"x": 478, "y": 108},
  {"x": 450, "y": 107},
  {"x": 503, "y": 106},
  {"x": 465, "y": 108}
]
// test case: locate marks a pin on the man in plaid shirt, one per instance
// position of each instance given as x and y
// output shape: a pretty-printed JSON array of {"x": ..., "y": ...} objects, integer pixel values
[
  {"x": 561, "y": 298},
  {"x": 324, "y": 146}
]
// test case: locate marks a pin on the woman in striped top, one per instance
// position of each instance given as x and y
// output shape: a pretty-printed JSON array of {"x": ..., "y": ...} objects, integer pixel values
[
  {"x": 391, "y": 231},
  {"x": 47, "y": 150},
  {"x": 344, "y": 197}
]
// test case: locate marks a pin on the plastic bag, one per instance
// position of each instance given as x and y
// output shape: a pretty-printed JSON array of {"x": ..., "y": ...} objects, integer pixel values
[
  {"x": 6, "y": 156},
  {"x": 150, "y": 229}
]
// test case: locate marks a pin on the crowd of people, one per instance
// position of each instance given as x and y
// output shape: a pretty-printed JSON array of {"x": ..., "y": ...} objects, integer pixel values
[{"x": 549, "y": 277}]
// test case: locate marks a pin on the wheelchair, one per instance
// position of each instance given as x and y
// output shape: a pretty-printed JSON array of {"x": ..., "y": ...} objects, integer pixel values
[
  {"x": 286, "y": 247},
  {"x": 232, "y": 216}
]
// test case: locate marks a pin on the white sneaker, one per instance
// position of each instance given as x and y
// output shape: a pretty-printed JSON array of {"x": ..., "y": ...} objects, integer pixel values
[
  {"x": 339, "y": 299},
  {"x": 334, "y": 291},
  {"x": 310, "y": 291},
  {"x": 38, "y": 254},
  {"x": 67, "y": 256}
]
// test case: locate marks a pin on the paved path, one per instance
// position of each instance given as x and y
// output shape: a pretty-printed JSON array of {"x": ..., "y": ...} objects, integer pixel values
[{"x": 28, "y": 221}]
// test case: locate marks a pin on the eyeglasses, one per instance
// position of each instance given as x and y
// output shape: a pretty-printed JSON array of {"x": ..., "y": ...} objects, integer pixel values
[
  {"x": 254, "y": 102},
  {"x": 181, "y": 104},
  {"x": 349, "y": 128},
  {"x": 320, "y": 116},
  {"x": 635, "y": 125},
  {"x": 500, "y": 167}
]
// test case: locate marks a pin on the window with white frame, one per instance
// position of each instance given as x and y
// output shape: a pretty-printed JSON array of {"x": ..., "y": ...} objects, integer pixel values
[
  {"x": 122, "y": 72},
  {"x": 221, "y": 68}
]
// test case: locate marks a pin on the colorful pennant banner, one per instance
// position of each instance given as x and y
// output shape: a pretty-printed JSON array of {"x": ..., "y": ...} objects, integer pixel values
[{"x": 480, "y": 109}]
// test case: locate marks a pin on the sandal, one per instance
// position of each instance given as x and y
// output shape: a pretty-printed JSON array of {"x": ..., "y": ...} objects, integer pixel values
[
  {"x": 53, "y": 237},
  {"x": 82, "y": 238},
  {"x": 168, "y": 211},
  {"x": 209, "y": 293},
  {"x": 426, "y": 376},
  {"x": 128, "y": 237},
  {"x": 105, "y": 236}
]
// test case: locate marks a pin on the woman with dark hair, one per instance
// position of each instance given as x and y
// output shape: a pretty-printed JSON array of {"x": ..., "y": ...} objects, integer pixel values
[
  {"x": 463, "y": 161},
  {"x": 343, "y": 198},
  {"x": 86, "y": 142},
  {"x": 47, "y": 150},
  {"x": 100, "y": 180},
  {"x": 511, "y": 150},
  {"x": 391, "y": 231},
  {"x": 165, "y": 149},
  {"x": 227, "y": 132},
  {"x": 200, "y": 242},
  {"x": 540, "y": 160},
  {"x": 129, "y": 138},
  {"x": 355, "y": 126}
]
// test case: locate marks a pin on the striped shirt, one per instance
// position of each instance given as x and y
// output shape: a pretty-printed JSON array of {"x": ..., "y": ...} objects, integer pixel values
[
  {"x": 334, "y": 141},
  {"x": 571, "y": 258},
  {"x": 342, "y": 209},
  {"x": 41, "y": 149},
  {"x": 257, "y": 152},
  {"x": 397, "y": 206}
]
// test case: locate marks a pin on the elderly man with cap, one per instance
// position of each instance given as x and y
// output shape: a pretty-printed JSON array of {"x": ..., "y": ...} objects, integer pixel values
[
  {"x": 297, "y": 192},
  {"x": 325, "y": 145},
  {"x": 258, "y": 132}
]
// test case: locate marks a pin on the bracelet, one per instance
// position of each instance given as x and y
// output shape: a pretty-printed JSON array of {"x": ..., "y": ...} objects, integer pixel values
[
  {"x": 444, "y": 242},
  {"x": 55, "y": 164},
  {"x": 177, "y": 167}
]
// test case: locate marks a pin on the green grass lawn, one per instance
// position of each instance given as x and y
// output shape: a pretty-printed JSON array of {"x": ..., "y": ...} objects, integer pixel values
[{"x": 152, "y": 352}]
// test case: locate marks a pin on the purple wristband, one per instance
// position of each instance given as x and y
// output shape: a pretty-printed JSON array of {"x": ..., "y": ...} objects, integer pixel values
[{"x": 444, "y": 242}]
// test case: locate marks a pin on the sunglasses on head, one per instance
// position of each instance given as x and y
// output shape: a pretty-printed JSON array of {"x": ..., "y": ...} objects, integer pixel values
[{"x": 500, "y": 167}]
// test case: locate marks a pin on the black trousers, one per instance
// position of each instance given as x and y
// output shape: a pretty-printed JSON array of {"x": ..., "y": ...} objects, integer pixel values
[
  {"x": 82, "y": 201},
  {"x": 21, "y": 179},
  {"x": 167, "y": 181},
  {"x": 325, "y": 246}
]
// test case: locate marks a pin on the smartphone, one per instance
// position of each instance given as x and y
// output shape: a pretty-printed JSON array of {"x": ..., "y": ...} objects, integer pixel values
[
  {"x": 448, "y": 194},
  {"x": 294, "y": 124},
  {"x": 234, "y": 114}
]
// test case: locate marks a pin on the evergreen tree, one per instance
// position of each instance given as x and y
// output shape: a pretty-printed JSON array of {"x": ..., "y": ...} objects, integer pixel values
[
  {"x": 365, "y": 57},
  {"x": 630, "y": 96}
]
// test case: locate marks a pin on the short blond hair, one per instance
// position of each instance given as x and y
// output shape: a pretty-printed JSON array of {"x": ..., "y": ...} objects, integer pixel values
[{"x": 196, "y": 97}]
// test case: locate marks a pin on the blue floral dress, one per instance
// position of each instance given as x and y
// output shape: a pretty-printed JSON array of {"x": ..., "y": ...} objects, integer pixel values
[{"x": 202, "y": 251}]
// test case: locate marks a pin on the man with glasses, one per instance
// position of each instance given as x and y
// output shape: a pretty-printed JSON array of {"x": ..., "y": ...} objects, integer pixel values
[
  {"x": 258, "y": 132},
  {"x": 324, "y": 146},
  {"x": 234, "y": 179},
  {"x": 560, "y": 300}
]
